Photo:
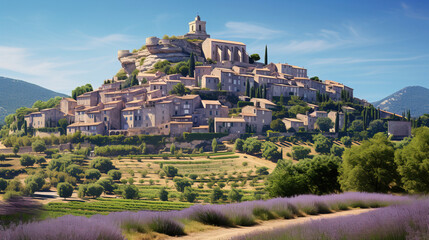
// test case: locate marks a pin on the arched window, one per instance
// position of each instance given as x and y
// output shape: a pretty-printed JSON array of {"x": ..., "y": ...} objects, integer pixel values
[{"x": 199, "y": 27}]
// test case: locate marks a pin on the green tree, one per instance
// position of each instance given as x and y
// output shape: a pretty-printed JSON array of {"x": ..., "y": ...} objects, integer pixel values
[
  {"x": 94, "y": 190},
  {"x": 102, "y": 164},
  {"x": 238, "y": 145},
  {"x": 64, "y": 189},
  {"x": 3, "y": 184},
  {"x": 346, "y": 140},
  {"x": 270, "y": 152},
  {"x": 252, "y": 146},
  {"x": 179, "y": 89},
  {"x": 170, "y": 171},
  {"x": 278, "y": 125},
  {"x": 255, "y": 57},
  {"x": 74, "y": 170},
  {"x": 300, "y": 152},
  {"x": 216, "y": 194},
  {"x": 376, "y": 126},
  {"x": 38, "y": 146},
  {"x": 235, "y": 195},
  {"x": 287, "y": 180},
  {"x": 163, "y": 194},
  {"x": 369, "y": 167},
  {"x": 214, "y": 145},
  {"x": 38, "y": 179},
  {"x": 87, "y": 88},
  {"x": 337, "y": 150},
  {"x": 27, "y": 160},
  {"x": 93, "y": 174},
  {"x": 337, "y": 122},
  {"x": 107, "y": 184},
  {"x": 413, "y": 162},
  {"x": 357, "y": 126},
  {"x": 115, "y": 174},
  {"x": 15, "y": 149},
  {"x": 247, "y": 91},
  {"x": 191, "y": 65},
  {"x": 298, "y": 109},
  {"x": 211, "y": 125},
  {"x": 131, "y": 192},
  {"x": 324, "y": 124},
  {"x": 322, "y": 144},
  {"x": 172, "y": 148},
  {"x": 262, "y": 171},
  {"x": 182, "y": 183},
  {"x": 190, "y": 194}
]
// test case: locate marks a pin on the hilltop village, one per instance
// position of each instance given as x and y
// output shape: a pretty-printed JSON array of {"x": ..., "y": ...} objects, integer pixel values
[{"x": 222, "y": 75}]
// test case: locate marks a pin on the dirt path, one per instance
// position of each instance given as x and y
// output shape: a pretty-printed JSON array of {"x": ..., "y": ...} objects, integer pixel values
[{"x": 228, "y": 233}]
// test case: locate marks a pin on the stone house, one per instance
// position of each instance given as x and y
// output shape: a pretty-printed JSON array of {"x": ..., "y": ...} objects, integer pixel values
[
  {"x": 263, "y": 103},
  {"x": 221, "y": 50},
  {"x": 211, "y": 109},
  {"x": 45, "y": 118},
  {"x": 88, "y": 98},
  {"x": 67, "y": 105},
  {"x": 86, "y": 128},
  {"x": 333, "y": 116},
  {"x": 201, "y": 71},
  {"x": 293, "y": 123},
  {"x": 399, "y": 129},
  {"x": 209, "y": 81},
  {"x": 178, "y": 128},
  {"x": 162, "y": 86},
  {"x": 230, "y": 125},
  {"x": 257, "y": 117}
]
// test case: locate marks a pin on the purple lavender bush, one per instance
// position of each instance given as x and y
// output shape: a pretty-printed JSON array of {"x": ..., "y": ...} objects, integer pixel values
[{"x": 408, "y": 221}]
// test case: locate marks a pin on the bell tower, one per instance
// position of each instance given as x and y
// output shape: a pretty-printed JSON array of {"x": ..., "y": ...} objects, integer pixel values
[{"x": 197, "y": 29}]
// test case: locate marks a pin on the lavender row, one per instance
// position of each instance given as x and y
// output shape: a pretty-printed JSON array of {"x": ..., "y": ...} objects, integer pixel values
[
  {"x": 409, "y": 221},
  {"x": 244, "y": 214}
]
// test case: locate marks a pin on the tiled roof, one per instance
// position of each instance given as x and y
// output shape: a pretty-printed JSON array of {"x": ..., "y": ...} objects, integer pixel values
[{"x": 229, "y": 120}]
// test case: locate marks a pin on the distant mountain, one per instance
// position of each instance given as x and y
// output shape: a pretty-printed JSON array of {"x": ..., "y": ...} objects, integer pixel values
[
  {"x": 17, "y": 93},
  {"x": 415, "y": 98}
]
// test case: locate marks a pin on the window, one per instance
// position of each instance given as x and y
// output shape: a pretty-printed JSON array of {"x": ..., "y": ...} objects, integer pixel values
[{"x": 186, "y": 111}]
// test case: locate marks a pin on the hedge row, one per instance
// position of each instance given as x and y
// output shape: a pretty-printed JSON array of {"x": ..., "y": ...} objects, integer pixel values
[
  {"x": 100, "y": 140},
  {"x": 116, "y": 150},
  {"x": 202, "y": 136}
]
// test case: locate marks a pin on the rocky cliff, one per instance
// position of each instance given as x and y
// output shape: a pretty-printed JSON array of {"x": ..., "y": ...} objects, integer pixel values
[{"x": 155, "y": 50}]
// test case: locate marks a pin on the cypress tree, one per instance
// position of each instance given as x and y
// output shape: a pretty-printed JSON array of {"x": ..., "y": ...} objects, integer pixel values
[
  {"x": 266, "y": 56},
  {"x": 191, "y": 65},
  {"x": 252, "y": 92},
  {"x": 282, "y": 100},
  {"x": 265, "y": 91},
  {"x": 346, "y": 119},
  {"x": 247, "y": 91},
  {"x": 337, "y": 122},
  {"x": 409, "y": 115}
]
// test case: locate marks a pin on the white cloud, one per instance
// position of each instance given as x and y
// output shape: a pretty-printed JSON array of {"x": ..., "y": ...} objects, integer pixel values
[
  {"x": 412, "y": 13},
  {"x": 248, "y": 31},
  {"x": 348, "y": 60},
  {"x": 325, "y": 39},
  {"x": 92, "y": 42}
]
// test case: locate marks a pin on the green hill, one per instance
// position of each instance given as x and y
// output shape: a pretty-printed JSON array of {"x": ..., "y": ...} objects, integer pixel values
[{"x": 17, "y": 93}]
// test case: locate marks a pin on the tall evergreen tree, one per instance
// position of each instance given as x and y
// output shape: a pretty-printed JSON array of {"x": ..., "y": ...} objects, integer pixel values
[
  {"x": 265, "y": 91},
  {"x": 266, "y": 55},
  {"x": 409, "y": 115},
  {"x": 247, "y": 91},
  {"x": 191, "y": 65},
  {"x": 252, "y": 92},
  {"x": 337, "y": 122},
  {"x": 282, "y": 100},
  {"x": 346, "y": 122}
]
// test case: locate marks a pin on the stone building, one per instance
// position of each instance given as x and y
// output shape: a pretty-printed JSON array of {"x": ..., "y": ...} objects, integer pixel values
[
  {"x": 230, "y": 125},
  {"x": 86, "y": 128},
  {"x": 197, "y": 29},
  {"x": 399, "y": 129},
  {"x": 45, "y": 118},
  {"x": 222, "y": 50},
  {"x": 67, "y": 105},
  {"x": 293, "y": 123},
  {"x": 257, "y": 117}
]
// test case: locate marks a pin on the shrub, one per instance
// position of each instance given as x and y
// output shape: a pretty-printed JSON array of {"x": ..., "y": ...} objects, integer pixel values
[
  {"x": 337, "y": 150},
  {"x": 234, "y": 195},
  {"x": 166, "y": 226},
  {"x": 107, "y": 184},
  {"x": 202, "y": 136},
  {"x": 211, "y": 217},
  {"x": 300, "y": 152},
  {"x": 182, "y": 183},
  {"x": 38, "y": 179},
  {"x": 163, "y": 194},
  {"x": 238, "y": 145},
  {"x": 64, "y": 189},
  {"x": 130, "y": 192},
  {"x": 40, "y": 160},
  {"x": 193, "y": 176},
  {"x": 216, "y": 195},
  {"x": 115, "y": 174},
  {"x": 346, "y": 140},
  {"x": 94, "y": 190},
  {"x": 102, "y": 164},
  {"x": 171, "y": 171},
  {"x": 27, "y": 160},
  {"x": 190, "y": 194},
  {"x": 74, "y": 171},
  {"x": 92, "y": 174},
  {"x": 38, "y": 146},
  {"x": 263, "y": 213},
  {"x": 3, "y": 184},
  {"x": 262, "y": 171},
  {"x": 241, "y": 104}
]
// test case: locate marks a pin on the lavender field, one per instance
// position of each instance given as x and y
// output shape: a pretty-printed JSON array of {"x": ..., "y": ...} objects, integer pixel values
[{"x": 115, "y": 225}]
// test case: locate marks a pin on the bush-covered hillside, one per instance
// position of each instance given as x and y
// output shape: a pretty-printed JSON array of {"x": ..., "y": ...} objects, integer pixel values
[{"x": 17, "y": 93}]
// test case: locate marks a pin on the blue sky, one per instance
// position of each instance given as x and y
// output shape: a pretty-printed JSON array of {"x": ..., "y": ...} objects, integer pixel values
[{"x": 376, "y": 47}]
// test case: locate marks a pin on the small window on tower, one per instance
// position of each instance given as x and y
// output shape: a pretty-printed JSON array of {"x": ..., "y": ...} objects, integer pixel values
[{"x": 199, "y": 27}]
